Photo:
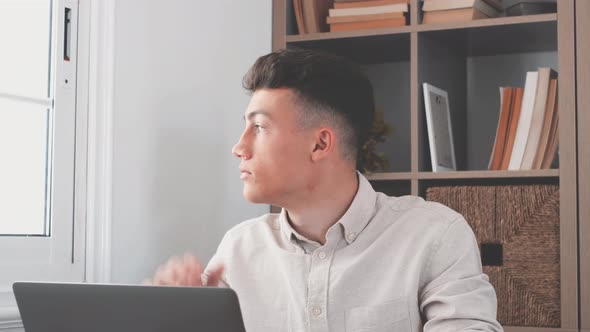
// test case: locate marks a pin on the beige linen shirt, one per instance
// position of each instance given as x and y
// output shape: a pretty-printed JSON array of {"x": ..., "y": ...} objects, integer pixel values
[{"x": 389, "y": 264}]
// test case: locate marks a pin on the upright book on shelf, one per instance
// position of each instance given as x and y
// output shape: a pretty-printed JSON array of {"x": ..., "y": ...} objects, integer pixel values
[
  {"x": 552, "y": 147},
  {"x": 537, "y": 119},
  {"x": 524, "y": 122},
  {"x": 516, "y": 108},
  {"x": 298, "y": 10},
  {"x": 314, "y": 15},
  {"x": 506, "y": 95},
  {"x": 550, "y": 118}
]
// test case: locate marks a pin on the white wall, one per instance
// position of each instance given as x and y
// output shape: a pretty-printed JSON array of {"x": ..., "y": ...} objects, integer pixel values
[{"x": 178, "y": 111}]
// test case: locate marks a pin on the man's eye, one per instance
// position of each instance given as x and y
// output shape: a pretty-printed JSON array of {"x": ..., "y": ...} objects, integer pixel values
[{"x": 257, "y": 128}]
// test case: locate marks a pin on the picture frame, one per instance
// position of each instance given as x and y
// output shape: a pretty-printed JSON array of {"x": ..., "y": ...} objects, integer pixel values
[{"x": 440, "y": 130}]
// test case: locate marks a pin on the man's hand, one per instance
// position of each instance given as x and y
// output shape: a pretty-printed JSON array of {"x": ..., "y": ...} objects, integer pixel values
[{"x": 185, "y": 271}]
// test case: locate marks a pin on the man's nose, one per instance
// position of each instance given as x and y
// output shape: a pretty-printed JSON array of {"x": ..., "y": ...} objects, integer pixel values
[{"x": 239, "y": 149}]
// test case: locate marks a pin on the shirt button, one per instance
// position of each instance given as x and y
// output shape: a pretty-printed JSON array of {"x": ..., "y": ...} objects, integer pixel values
[
  {"x": 351, "y": 236},
  {"x": 316, "y": 311},
  {"x": 322, "y": 255}
]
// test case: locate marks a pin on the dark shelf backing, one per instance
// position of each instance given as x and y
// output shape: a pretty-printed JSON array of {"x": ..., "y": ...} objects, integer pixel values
[
  {"x": 363, "y": 49},
  {"x": 391, "y": 86},
  {"x": 499, "y": 39},
  {"x": 392, "y": 188}
]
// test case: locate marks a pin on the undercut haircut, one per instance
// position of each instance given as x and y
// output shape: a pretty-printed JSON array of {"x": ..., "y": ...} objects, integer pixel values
[{"x": 329, "y": 89}]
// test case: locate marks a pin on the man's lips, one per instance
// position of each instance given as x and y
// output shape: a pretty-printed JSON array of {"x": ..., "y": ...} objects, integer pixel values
[{"x": 244, "y": 173}]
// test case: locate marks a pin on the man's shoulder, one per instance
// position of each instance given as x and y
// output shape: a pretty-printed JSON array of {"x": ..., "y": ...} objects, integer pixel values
[
  {"x": 264, "y": 223},
  {"x": 419, "y": 210}
]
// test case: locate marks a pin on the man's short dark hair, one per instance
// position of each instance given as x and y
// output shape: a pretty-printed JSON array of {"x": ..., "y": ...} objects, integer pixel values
[{"x": 329, "y": 88}]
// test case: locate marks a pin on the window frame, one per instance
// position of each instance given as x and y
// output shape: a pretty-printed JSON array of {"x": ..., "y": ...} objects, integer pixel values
[{"x": 92, "y": 184}]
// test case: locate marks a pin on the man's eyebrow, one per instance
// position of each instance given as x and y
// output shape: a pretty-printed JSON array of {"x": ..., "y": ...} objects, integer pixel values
[{"x": 252, "y": 114}]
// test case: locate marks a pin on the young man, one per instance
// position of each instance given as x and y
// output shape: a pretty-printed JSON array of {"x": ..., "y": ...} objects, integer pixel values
[{"x": 340, "y": 256}]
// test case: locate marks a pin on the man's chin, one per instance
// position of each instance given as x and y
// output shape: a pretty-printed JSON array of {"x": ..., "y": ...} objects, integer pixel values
[{"x": 255, "y": 197}]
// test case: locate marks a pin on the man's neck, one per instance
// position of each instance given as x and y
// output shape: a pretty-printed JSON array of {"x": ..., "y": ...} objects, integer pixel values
[{"x": 323, "y": 206}]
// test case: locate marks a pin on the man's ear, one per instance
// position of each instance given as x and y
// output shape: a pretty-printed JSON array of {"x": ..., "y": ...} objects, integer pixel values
[{"x": 325, "y": 139}]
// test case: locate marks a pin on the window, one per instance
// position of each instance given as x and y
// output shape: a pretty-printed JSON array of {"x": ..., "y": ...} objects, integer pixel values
[{"x": 41, "y": 236}]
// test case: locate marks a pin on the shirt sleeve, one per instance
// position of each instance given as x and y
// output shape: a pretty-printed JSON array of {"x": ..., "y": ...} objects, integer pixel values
[
  {"x": 221, "y": 257},
  {"x": 457, "y": 295}
]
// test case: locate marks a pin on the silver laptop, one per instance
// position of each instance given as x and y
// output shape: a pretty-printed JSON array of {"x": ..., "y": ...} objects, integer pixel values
[{"x": 72, "y": 307}]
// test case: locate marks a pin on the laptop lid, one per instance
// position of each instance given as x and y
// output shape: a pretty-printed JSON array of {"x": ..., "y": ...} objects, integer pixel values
[{"x": 65, "y": 307}]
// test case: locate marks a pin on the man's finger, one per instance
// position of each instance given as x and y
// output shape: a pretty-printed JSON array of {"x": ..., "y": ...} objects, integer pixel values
[
  {"x": 213, "y": 276},
  {"x": 193, "y": 270}
]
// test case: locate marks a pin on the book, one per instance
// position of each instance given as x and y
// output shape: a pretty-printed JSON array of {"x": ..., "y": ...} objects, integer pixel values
[
  {"x": 367, "y": 3},
  {"x": 545, "y": 76},
  {"x": 453, "y": 15},
  {"x": 365, "y": 18},
  {"x": 515, "y": 114},
  {"x": 480, "y": 5},
  {"x": 454, "y": 4},
  {"x": 501, "y": 128},
  {"x": 551, "y": 151},
  {"x": 550, "y": 109},
  {"x": 402, "y": 7},
  {"x": 524, "y": 123},
  {"x": 373, "y": 24},
  {"x": 314, "y": 15},
  {"x": 298, "y": 9}
]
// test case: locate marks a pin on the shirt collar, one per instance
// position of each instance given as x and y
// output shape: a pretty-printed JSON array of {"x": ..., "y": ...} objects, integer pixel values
[{"x": 353, "y": 222}]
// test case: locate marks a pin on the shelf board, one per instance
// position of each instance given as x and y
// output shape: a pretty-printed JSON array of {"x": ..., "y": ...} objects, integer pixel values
[
  {"x": 401, "y": 176},
  {"x": 535, "y": 329},
  {"x": 497, "y": 21},
  {"x": 390, "y": 176},
  {"x": 480, "y": 37},
  {"x": 543, "y": 173},
  {"x": 489, "y": 22},
  {"x": 348, "y": 34}
]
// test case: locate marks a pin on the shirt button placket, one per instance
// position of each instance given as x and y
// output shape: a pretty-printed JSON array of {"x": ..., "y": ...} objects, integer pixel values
[
  {"x": 317, "y": 290},
  {"x": 316, "y": 311}
]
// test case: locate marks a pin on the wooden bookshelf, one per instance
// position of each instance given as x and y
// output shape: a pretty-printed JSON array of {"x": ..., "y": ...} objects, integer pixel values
[
  {"x": 470, "y": 61},
  {"x": 544, "y": 173},
  {"x": 390, "y": 176},
  {"x": 499, "y": 21},
  {"x": 583, "y": 88}
]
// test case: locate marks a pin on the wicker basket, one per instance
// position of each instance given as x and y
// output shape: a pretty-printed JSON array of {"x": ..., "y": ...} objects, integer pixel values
[{"x": 521, "y": 224}]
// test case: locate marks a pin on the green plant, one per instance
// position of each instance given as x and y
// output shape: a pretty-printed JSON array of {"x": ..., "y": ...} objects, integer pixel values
[{"x": 370, "y": 160}]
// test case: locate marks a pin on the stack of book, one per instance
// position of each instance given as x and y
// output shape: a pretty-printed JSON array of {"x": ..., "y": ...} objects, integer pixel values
[
  {"x": 442, "y": 11},
  {"x": 367, "y": 14},
  {"x": 527, "y": 136}
]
